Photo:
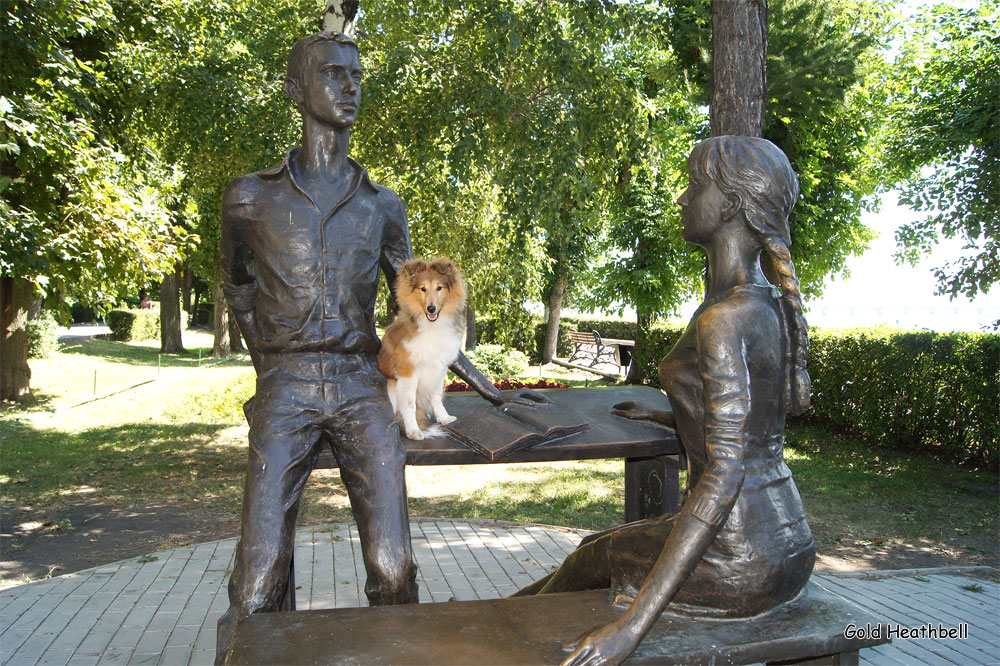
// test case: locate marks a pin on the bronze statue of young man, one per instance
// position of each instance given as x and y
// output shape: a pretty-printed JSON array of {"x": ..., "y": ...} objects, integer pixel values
[{"x": 303, "y": 244}]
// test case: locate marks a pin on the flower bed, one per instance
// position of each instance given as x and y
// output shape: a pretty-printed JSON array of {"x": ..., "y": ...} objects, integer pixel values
[{"x": 507, "y": 385}]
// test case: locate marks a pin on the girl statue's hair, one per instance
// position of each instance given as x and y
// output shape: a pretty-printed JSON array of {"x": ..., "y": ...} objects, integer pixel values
[{"x": 759, "y": 173}]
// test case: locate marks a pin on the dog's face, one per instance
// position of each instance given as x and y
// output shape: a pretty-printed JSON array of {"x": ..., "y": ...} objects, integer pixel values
[{"x": 428, "y": 289}]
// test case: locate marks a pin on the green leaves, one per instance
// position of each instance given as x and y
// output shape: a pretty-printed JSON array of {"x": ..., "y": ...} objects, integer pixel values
[
  {"x": 945, "y": 140},
  {"x": 80, "y": 214}
]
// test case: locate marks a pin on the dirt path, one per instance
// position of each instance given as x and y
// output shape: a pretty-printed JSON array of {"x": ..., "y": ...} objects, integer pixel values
[{"x": 98, "y": 534}]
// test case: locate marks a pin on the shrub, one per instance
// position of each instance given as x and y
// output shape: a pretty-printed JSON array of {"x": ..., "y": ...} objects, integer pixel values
[
  {"x": 43, "y": 335},
  {"x": 661, "y": 339},
  {"x": 498, "y": 362},
  {"x": 205, "y": 315},
  {"x": 935, "y": 392},
  {"x": 82, "y": 314},
  {"x": 129, "y": 325},
  {"x": 924, "y": 390}
]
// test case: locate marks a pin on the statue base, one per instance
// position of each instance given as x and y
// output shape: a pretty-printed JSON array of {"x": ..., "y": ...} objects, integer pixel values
[{"x": 532, "y": 630}]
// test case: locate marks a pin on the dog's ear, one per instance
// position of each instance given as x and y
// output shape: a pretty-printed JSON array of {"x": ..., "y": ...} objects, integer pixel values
[
  {"x": 414, "y": 266},
  {"x": 443, "y": 267},
  {"x": 407, "y": 272}
]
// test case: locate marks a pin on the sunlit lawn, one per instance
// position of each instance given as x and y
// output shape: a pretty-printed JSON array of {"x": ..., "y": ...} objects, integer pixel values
[{"x": 183, "y": 437}]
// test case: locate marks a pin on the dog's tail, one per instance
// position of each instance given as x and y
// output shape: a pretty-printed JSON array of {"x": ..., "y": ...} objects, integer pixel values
[
  {"x": 429, "y": 427},
  {"x": 434, "y": 430}
]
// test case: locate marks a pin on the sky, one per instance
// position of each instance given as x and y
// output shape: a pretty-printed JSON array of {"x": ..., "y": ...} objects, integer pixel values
[{"x": 879, "y": 291}]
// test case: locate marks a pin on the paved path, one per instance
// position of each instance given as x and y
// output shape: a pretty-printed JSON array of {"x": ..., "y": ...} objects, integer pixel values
[
  {"x": 81, "y": 332},
  {"x": 163, "y": 611}
]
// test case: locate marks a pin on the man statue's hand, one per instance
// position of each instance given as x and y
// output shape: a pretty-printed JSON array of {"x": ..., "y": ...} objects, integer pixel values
[{"x": 526, "y": 397}]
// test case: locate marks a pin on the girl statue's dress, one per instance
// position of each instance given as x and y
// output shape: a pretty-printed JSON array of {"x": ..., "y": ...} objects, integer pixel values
[
  {"x": 763, "y": 552},
  {"x": 740, "y": 545}
]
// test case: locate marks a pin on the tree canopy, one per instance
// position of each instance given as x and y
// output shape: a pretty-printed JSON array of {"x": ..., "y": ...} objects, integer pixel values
[
  {"x": 944, "y": 102},
  {"x": 82, "y": 214},
  {"x": 541, "y": 145}
]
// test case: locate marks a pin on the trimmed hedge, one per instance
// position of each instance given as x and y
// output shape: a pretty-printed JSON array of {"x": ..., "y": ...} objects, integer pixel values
[
  {"x": 82, "y": 314},
  {"x": 935, "y": 392},
  {"x": 128, "y": 325},
  {"x": 939, "y": 392}
]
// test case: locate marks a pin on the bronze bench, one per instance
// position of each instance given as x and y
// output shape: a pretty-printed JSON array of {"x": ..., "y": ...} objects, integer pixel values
[
  {"x": 531, "y": 630},
  {"x": 651, "y": 452}
]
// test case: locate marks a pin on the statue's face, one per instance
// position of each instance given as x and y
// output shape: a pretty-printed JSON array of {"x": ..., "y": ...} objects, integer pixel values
[
  {"x": 329, "y": 87},
  {"x": 704, "y": 208}
]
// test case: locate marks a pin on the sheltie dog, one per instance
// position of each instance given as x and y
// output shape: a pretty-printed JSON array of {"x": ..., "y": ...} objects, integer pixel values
[{"x": 423, "y": 340}]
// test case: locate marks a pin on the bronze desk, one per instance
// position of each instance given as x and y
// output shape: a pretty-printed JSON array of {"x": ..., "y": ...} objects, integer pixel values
[{"x": 651, "y": 452}]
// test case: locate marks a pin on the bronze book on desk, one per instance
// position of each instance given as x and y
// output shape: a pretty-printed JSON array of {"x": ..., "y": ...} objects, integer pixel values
[{"x": 499, "y": 432}]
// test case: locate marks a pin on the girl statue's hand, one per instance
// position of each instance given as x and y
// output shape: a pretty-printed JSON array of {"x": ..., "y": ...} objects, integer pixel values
[
  {"x": 610, "y": 644},
  {"x": 632, "y": 409}
]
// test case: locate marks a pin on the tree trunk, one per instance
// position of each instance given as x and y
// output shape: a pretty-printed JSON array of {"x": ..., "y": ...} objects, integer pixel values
[
  {"x": 559, "y": 284},
  {"x": 739, "y": 81},
  {"x": 235, "y": 340},
  {"x": 220, "y": 324},
  {"x": 470, "y": 329},
  {"x": 739, "y": 75},
  {"x": 186, "y": 285},
  {"x": 170, "y": 313},
  {"x": 16, "y": 299},
  {"x": 641, "y": 353}
]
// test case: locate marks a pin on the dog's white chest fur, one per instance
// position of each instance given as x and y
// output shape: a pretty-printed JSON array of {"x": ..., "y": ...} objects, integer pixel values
[{"x": 435, "y": 346}]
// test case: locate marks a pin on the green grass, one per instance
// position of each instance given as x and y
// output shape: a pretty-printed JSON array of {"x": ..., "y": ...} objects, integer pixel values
[
  {"x": 586, "y": 494},
  {"x": 86, "y": 368},
  {"x": 182, "y": 440},
  {"x": 855, "y": 494}
]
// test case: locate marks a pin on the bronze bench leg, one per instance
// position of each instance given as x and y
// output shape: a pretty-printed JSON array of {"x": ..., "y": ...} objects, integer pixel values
[{"x": 651, "y": 487}]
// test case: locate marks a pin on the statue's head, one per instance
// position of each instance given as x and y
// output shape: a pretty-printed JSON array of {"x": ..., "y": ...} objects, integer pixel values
[
  {"x": 757, "y": 174},
  {"x": 324, "y": 78},
  {"x": 755, "y": 171}
]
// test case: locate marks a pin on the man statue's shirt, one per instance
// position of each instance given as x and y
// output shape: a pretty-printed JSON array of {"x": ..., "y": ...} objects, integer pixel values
[{"x": 310, "y": 274}]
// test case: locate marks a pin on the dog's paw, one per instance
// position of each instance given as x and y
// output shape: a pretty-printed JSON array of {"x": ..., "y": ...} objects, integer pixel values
[
  {"x": 414, "y": 434},
  {"x": 445, "y": 420}
]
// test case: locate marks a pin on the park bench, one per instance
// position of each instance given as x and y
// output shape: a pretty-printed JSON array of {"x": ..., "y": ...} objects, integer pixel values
[
  {"x": 588, "y": 347},
  {"x": 531, "y": 630}
]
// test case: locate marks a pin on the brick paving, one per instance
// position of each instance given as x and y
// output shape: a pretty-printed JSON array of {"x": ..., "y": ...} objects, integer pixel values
[{"x": 164, "y": 611}]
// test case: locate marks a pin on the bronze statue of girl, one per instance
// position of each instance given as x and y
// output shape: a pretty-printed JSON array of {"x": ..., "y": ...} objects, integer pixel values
[{"x": 740, "y": 544}]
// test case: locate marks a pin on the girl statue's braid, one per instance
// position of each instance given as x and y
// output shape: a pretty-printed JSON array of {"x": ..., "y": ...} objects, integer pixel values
[{"x": 798, "y": 386}]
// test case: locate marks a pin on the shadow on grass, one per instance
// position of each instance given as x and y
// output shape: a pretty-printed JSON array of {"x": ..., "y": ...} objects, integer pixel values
[
  {"x": 115, "y": 462},
  {"x": 858, "y": 493},
  {"x": 38, "y": 401}
]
